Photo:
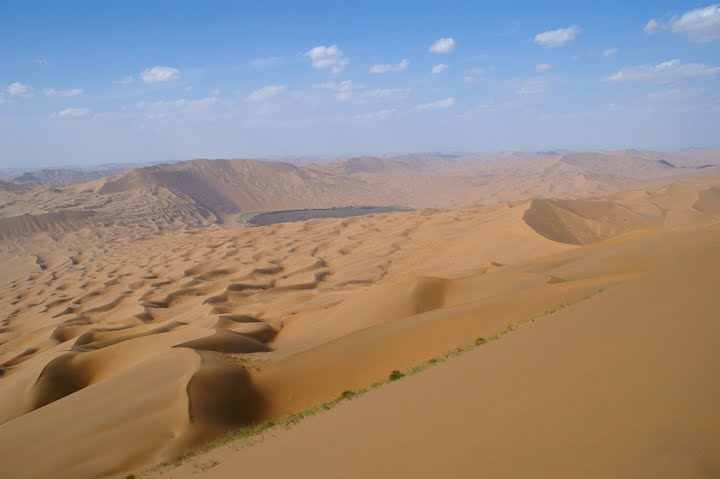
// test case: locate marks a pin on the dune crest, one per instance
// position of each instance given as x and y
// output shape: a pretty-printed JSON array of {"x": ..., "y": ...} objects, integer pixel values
[{"x": 134, "y": 327}]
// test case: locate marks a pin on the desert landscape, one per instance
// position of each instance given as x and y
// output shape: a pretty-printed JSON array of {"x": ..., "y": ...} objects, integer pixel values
[
  {"x": 528, "y": 296},
  {"x": 371, "y": 240}
]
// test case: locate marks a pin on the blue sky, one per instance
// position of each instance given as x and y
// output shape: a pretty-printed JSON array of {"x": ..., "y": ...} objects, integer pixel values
[{"x": 122, "y": 81}]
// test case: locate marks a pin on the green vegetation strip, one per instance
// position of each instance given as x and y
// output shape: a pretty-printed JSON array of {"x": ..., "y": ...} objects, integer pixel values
[{"x": 295, "y": 418}]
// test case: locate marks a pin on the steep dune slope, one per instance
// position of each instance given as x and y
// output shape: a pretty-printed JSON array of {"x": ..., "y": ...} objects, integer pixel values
[
  {"x": 56, "y": 222},
  {"x": 621, "y": 385},
  {"x": 231, "y": 186},
  {"x": 250, "y": 324}
]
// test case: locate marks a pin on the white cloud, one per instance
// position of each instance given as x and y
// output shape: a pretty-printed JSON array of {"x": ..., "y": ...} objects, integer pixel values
[
  {"x": 328, "y": 58},
  {"x": 542, "y": 67},
  {"x": 557, "y": 38},
  {"x": 668, "y": 71},
  {"x": 442, "y": 45},
  {"x": 386, "y": 67},
  {"x": 40, "y": 61},
  {"x": 436, "y": 105},
  {"x": 651, "y": 26},
  {"x": 346, "y": 91},
  {"x": 19, "y": 89},
  {"x": 439, "y": 68},
  {"x": 610, "y": 52},
  {"x": 700, "y": 25},
  {"x": 160, "y": 74},
  {"x": 125, "y": 81},
  {"x": 72, "y": 113},
  {"x": 70, "y": 92},
  {"x": 265, "y": 93}
]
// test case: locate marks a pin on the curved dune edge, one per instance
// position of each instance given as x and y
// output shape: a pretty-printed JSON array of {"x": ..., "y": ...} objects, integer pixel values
[
  {"x": 56, "y": 222},
  {"x": 161, "y": 407},
  {"x": 708, "y": 201},
  {"x": 581, "y": 222},
  {"x": 279, "y": 319},
  {"x": 632, "y": 370}
]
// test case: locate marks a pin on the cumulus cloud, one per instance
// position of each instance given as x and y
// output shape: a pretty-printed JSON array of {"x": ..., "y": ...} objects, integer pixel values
[
  {"x": 265, "y": 93},
  {"x": 328, "y": 58},
  {"x": 700, "y": 25},
  {"x": 542, "y": 67},
  {"x": 445, "y": 103},
  {"x": 442, "y": 45},
  {"x": 347, "y": 91},
  {"x": 387, "y": 67},
  {"x": 671, "y": 70},
  {"x": 70, "y": 92},
  {"x": 72, "y": 113},
  {"x": 40, "y": 61},
  {"x": 125, "y": 81},
  {"x": 160, "y": 74},
  {"x": 19, "y": 89},
  {"x": 557, "y": 38},
  {"x": 610, "y": 52},
  {"x": 439, "y": 68},
  {"x": 651, "y": 26}
]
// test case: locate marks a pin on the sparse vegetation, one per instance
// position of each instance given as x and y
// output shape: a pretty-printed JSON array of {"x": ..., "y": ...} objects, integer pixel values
[{"x": 347, "y": 395}]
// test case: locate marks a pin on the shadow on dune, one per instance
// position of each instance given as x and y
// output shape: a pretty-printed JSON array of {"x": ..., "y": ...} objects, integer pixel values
[{"x": 222, "y": 397}]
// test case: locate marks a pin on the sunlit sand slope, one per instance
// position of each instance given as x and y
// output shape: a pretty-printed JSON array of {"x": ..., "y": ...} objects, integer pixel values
[
  {"x": 119, "y": 350},
  {"x": 623, "y": 384}
]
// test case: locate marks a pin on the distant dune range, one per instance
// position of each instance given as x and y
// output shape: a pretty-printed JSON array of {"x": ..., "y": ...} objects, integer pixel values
[
  {"x": 198, "y": 193},
  {"x": 139, "y": 320}
]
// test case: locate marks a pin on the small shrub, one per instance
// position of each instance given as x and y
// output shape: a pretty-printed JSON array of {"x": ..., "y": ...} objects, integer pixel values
[
  {"x": 395, "y": 375},
  {"x": 347, "y": 394},
  {"x": 480, "y": 341}
]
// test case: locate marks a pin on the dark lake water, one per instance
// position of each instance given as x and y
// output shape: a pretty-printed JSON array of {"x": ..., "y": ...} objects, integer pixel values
[{"x": 285, "y": 216}]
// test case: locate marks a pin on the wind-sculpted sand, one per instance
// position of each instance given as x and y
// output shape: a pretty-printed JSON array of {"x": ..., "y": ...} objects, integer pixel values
[{"x": 126, "y": 345}]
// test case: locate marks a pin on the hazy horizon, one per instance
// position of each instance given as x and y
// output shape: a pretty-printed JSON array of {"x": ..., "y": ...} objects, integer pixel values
[{"x": 89, "y": 83}]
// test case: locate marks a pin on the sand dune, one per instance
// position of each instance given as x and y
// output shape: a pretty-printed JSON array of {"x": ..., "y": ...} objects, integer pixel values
[
  {"x": 133, "y": 327},
  {"x": 199, "y": 193},
  {"x": 620, "y": 385},
  {"x": 56, "y": 222}
]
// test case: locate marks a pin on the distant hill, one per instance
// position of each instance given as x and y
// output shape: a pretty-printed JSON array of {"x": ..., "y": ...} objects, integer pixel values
[
  {"x": 64, "y": 176},
  {"x": 197, "y": 193},
  {"x": 225, "y": 187}
]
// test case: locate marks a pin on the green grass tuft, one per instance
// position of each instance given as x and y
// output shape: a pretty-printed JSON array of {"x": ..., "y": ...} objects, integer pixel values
[{"x": 295, "y": 418}]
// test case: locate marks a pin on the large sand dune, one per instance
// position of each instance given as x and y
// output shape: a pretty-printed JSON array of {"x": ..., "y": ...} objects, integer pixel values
[
  {"x": 621, "y": 385},
  {"x": 141, "y": 331},
  {"x": 198, "y": 193}
]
